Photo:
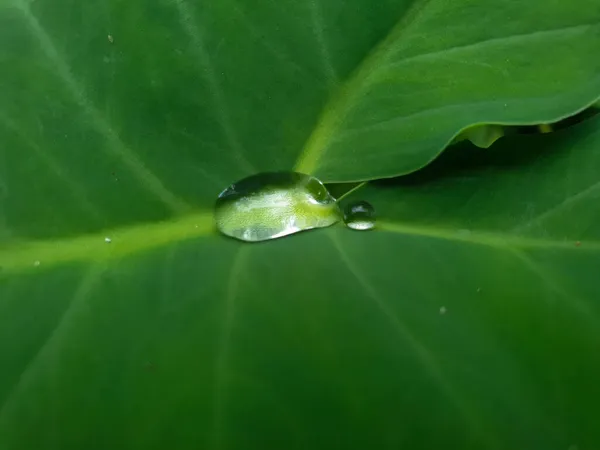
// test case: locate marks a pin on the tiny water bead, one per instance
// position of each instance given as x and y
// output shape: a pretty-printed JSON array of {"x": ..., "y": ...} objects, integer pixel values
[
  {"x": 274, "y": 204},
  {"x": 359, "y": 216}
]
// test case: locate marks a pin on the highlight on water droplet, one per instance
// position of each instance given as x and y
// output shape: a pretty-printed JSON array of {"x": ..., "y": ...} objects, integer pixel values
[
  {"x": 360, "y": 216},
  {"x": 274, "y": 204}
]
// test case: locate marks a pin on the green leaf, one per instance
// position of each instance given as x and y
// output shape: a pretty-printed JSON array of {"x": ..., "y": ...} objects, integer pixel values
[
  {"x": 127, "y": 322},
  {"x": 468, "y": 319},
  {"x": 228, "y": 88}
]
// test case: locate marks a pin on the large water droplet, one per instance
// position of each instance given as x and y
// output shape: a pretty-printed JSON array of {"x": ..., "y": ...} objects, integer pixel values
[
  {"x": 359, "y": 216},
  {"x": 275, "y": 204}
]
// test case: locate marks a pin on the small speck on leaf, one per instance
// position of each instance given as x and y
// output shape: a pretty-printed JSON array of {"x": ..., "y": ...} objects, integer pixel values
[
  {"x": 110, "y": 38},
  {"x": 443, "y": 310},
  {"x": 578, "y": 244},
  {"x": 107, "y": 240},
  {"x": 36, "y": 263}
]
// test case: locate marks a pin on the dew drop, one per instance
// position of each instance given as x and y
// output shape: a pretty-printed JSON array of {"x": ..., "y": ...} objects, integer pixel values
[
  {"x": 274, "y": 204},
  {"x": 36, "y": 263},
  {"x": 107, "y": 240},
  {"x": 359, "y": 216}
]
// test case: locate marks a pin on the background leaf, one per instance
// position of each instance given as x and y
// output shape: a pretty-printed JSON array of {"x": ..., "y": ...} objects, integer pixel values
[{"x": 467, "y": 320}]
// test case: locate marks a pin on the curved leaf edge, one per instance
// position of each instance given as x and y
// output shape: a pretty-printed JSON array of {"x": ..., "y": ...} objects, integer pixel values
[{"x": 456, "y": 137}]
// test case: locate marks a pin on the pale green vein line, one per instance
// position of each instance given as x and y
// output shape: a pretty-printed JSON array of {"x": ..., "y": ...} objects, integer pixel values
[
  {"x": 319, "y": 32},
  {"x": 74, "y": 189},
  {"x": 148, "y": 180},
  {"x": 92, "y": 247},
  {"x": 516, "y": 38},
  {"x": 498, "y": 240},
  {"x": 222, "y": 111},
  {"x": 224, "y": 349},
  {"x": 45, "y": 353},
  {"x": 339, "y": 105},
  {"x": 424, "y": 355},
  {"x": 398, "y": 120},
  {"x": 567, "y": 202},
  {"x": 569, "y": 299},
  {"x": 259, "y": 34}
]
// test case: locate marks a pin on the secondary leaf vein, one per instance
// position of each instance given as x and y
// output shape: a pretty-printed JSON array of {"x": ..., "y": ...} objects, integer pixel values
[{"x": 148, "y": 179}]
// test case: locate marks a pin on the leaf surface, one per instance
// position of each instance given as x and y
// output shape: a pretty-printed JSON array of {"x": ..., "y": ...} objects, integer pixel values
[
  {"x": 468, "y": 319},
  {"x": 472, "y": 310}
]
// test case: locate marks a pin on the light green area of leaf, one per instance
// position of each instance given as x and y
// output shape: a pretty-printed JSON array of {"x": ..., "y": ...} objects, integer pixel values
[{"x": 468, "y": 319}]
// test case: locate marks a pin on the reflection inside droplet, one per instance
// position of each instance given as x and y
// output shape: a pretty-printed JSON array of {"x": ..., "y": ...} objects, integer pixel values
[
  {"x": 275, "y": 204},
  {"x": 359, "y": 216}
]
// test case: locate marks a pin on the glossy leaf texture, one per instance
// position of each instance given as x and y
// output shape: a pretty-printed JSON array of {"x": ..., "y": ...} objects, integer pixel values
[
  {"x": 469, "y": 318},
  {"x": 466, "y": 319}
]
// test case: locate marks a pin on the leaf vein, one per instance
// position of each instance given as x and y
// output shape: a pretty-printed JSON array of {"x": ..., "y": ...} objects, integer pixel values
[
  {"x": 224, "y": 349},
  {"x": 81, "y": 293},
  {"x": 149, "y": 180},
  {"x": 424, "y": 355},
  {"x": 222, "y": 111},
  {"x": 316, "y": 17}
]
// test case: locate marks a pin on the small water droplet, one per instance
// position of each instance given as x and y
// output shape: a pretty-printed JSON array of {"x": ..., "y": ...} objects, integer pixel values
[
  {"x": 36, "y": 263},
  {"x": 443, "y": 310},
  {"x": 107, "y": 240},
  {"x": 274, "y": 204},
  {"x": 360, "y": 216},
  {"x": 110, "y": 38}
]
